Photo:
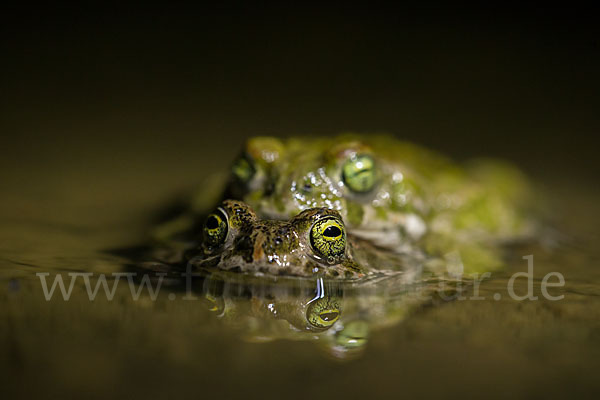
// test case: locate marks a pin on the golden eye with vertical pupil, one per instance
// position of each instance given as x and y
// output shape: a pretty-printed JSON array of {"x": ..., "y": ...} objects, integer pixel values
[
  {"x": 328, "y": 238},
  {"x": 243, "y": 168},
  {"x": 215, "y": 228},
  {"x": 359, "y": 173}
]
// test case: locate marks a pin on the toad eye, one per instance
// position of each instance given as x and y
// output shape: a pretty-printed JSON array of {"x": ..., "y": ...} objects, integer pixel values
[
  {"x": 359, "y": 173},
  {"x": 215, "y": 228},
  {"x": 243, "y": 168},
  {"x": 328, "y": 238},
  {"x": 323, "y": 312}
]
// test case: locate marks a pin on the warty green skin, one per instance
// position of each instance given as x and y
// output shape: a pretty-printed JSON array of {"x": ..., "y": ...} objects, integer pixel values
[
  {"x": 422, "y": 204},
  {"x": 421, "y": 200}
]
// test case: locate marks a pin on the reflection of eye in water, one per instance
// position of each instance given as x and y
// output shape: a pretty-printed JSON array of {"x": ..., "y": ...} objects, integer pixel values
[
  {"x": 324, "y": 312},
  {"x": 340, "y": 316}
]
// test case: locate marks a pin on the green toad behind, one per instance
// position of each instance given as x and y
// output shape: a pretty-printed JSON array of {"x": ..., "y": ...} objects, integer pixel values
[{"x": 399, "y": 197}]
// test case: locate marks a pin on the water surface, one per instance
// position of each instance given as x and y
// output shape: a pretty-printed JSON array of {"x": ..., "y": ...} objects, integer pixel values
[{"x": 62, "y": 219}]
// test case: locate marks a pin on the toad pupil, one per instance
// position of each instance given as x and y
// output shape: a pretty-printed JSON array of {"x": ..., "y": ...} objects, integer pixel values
[
  {"x": 211, "y": 222},
  {"x": 332, "y": 232}
]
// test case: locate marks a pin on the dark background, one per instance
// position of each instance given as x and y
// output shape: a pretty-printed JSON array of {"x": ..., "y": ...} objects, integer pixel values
[{"x": 179, "y": 84}]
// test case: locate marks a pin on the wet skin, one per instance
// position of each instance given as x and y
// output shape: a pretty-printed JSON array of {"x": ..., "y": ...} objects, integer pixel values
[
  {"x": 313, "y": 243},
  {"x": 399, "y": 196}
]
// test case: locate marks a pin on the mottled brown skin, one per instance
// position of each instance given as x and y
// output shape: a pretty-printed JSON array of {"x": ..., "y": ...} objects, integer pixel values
[{"x": 274, "y": 247}]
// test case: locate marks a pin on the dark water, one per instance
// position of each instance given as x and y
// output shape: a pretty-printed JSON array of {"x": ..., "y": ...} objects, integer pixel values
[{"x": 104, "y": 124}]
